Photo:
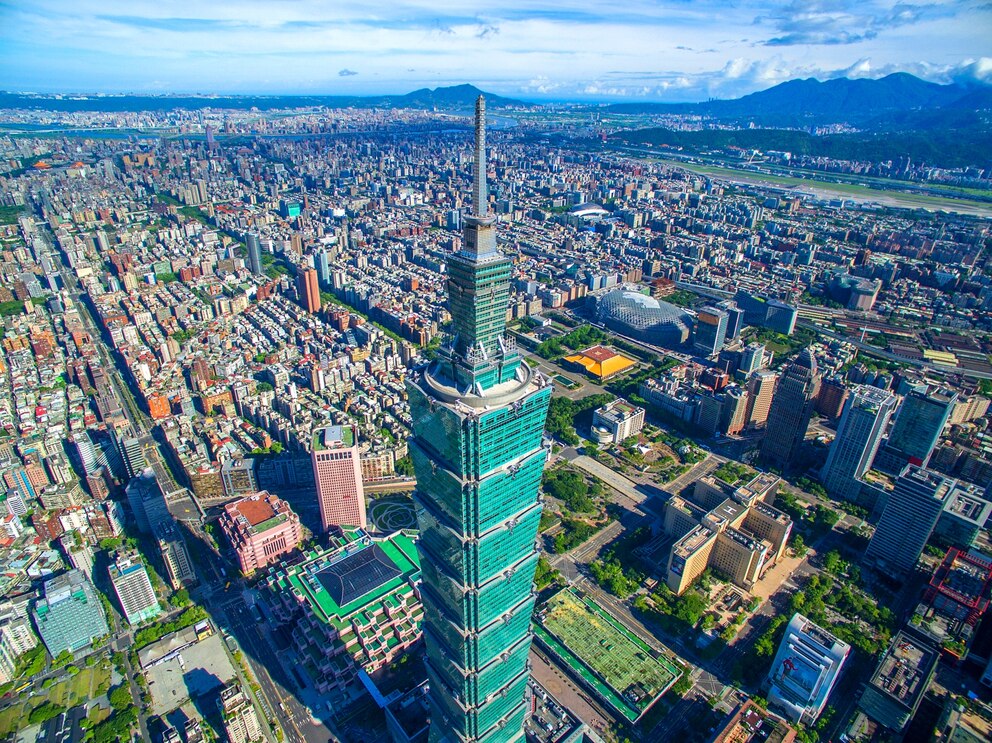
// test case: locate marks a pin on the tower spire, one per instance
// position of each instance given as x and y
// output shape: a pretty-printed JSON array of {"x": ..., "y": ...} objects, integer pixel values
[{"x": 480, "y": 193}]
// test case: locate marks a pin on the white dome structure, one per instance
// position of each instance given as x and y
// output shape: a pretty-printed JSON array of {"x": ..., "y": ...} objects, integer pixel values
[{"x": 645, "y": 318}]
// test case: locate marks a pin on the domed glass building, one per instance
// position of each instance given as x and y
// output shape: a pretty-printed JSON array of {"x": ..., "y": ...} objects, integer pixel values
[{"x": 644, "y": 318}]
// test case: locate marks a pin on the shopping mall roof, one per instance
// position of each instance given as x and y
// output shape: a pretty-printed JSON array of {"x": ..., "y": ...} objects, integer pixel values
[{"x": 358, "y": 574}]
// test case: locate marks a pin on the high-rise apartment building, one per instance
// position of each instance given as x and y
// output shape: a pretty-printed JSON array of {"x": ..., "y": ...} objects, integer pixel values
[
  {"x": 70, "y": 616},
  {"x": 322, "y": 259},
  {"x": 254, "y": 253},
  {"x": 831, "y": 398},
  {"x": 908, "y": 520},
  {"x": 735, "y": 318},
  {"x": 760, "y": 391},
  {"x": 859, "y": 433},
  {"x": 791, "y": 409},
  {"x": 916, "y": 430},
  {"x": 753, "y": 357},
  {"x": 710, "y": 331},
  {"x": 478, "y": 420},
  {"x": 733, "y": 416},
  {"x": 16, "y": 638},
  {"x": 238, "y": 713},
  {"x": 129, "y": 578},
  {"x": 308, "y": 289},
  {"x": 172, "y": 547},
  {"x": 337, "y": 468},
  {"x": 132, "y": 454}
]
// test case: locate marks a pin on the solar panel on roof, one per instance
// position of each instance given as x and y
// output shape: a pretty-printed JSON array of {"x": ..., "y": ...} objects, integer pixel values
[{"x": 357, "y": 575}]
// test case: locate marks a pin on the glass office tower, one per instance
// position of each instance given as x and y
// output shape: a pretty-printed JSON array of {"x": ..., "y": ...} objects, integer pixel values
[{"x": 478, "y": 420}]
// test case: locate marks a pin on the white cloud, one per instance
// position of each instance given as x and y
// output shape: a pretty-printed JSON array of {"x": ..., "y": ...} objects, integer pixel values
[
  {"x": 861, "y": 68},
  {"x": 668, "y": 49}
]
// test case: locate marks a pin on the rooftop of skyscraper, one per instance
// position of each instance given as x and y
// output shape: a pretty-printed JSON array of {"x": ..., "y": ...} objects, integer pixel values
[
  {"x": 333, "y": 437},
  {"x": 903, "y": 670},
  {"x": 259, "y": 512}
]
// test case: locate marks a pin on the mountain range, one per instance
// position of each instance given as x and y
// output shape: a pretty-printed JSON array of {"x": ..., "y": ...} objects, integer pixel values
[{"x": 898, "y": 101}]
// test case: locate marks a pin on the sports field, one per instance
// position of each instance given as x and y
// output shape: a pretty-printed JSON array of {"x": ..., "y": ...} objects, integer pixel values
[{"x": 604, "y": 653}]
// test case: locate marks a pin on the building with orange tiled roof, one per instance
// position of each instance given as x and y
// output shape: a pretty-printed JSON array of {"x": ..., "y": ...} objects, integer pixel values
[{"x": 600, "y": 362}]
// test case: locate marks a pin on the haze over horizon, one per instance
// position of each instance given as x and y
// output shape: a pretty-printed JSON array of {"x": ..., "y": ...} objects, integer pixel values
[{"x": 669, "y": 50}]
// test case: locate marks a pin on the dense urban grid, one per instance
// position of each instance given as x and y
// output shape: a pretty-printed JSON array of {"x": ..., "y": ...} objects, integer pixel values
[{"x": 335, "y": 424}]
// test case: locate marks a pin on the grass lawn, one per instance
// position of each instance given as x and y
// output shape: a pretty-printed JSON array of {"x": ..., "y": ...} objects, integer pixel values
[
  {"x": 12, "y": 717},
  {"x": 98, "y": 714},
  {"x": 79, "y": 689},
  {"x": 9, "y": 214},
  {"x": 88, "y": 683}
]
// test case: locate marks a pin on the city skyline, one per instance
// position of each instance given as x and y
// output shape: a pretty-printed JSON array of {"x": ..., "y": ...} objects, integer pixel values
[
  {"x": 672, "y": 51},
  {"x": 322, "y": 420}
]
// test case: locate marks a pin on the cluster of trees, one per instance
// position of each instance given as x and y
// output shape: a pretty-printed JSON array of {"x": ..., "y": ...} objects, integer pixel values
[
  {"x": 822, "y": 518},
  {"x": 548, "y": 519},
  {"x": 274, "y": 448},
  {"x": 681, "y": 298},
  {"x": 683, "y": 686},
  {"x": 820, "y": 301},
  {"x": 180, "y": 599},
  {"x": 953, "y": 147},
  {"x": 758, "y": 660},
  {"x": 157, "y": 631},
  {"x": 44, "y": 712},
  {"x": 32, "y": 662},
  {"x": 846, "y": 600},
  {"x": 573, "y": 533},
  {"x": 581, "y": 337},
  {"x": 545, "y": 575},
  {"x": 628, "y": 384},
  {"x": 124, "y": 715},
  {"x": 13, "y": 307},
  {"x": 10, "y": 214},
  {"x": 404, "y": 466},
  {"x": 799, "y": 545},
  {"x": 854, "y": 509},
  {"x": 686, "y": 609},
  {"x": 571, "y": 488},
  {"x": 563, "y": 414},
  {"x": 733, "y": 472},
  {"x": 611, "y": 575},
  {"x": 781, "y": 344}
]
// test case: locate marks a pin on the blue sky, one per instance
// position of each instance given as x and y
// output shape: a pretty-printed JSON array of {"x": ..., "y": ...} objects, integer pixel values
[{"x": 673, "y": 50}]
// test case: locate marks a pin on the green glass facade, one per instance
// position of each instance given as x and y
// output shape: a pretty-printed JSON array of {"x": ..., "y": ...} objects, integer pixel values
[
  {"x": 478, "y": 293},
  {"x": 478, "y": 420}
]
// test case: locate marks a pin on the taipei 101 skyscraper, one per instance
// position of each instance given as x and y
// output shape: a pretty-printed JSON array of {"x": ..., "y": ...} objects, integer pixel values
[{"x": 478, "y": 418}]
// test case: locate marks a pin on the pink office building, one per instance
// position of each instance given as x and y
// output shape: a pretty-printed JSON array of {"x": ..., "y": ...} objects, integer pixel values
[
  {"x": 262, "y": 528},
  {"x": 337, "y": 469}
]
